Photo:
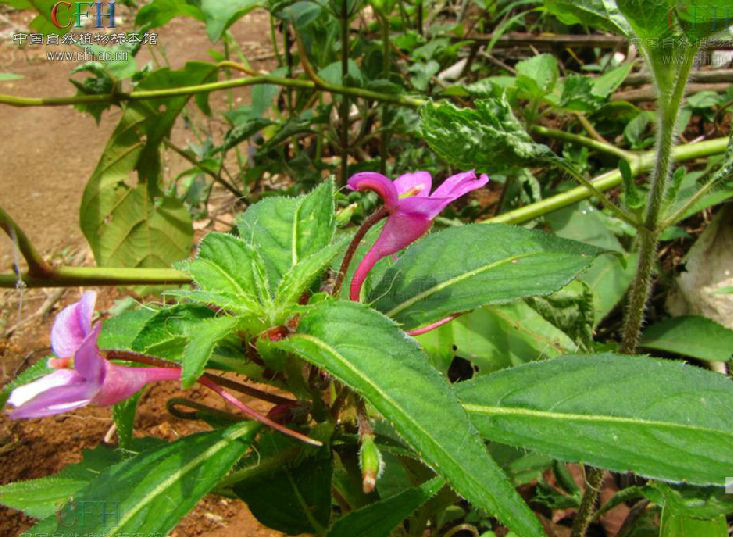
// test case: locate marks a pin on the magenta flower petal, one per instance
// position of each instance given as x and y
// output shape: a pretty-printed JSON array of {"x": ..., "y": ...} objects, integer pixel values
[
  {"x": 88, "y": 361},
  {"x": 415, "y": 184},
  {"x": 74, "y": 394},
  {"x": 121, "y": 383},
  {"x": 424, "y": 207},
  {"x": 72, "y": 325},
  {"x": 460, "y": 184},
  {"x": 376, "y": 182},
  {"x": 63, "y": 377},
  {"x": 401, "y": 229}
]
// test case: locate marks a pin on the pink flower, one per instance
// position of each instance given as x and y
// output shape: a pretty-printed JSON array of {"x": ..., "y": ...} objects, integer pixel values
[
  {"x": 411, "y": 208},
  {"x": 93, "y": 379}
]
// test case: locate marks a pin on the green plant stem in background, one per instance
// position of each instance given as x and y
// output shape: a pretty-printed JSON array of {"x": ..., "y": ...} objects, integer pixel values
[
  {"x": 345, "y": 103},
  {"x": 401, "y": 100},
  {"x": 669, "y": 102},
  {"x": 668, "y": 110},
  {"x": 583, "y": 141},
  {"x": 37, "y": 267}
]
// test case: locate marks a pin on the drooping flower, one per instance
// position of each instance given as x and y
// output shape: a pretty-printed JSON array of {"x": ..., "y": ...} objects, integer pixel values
[
  {"x": 92, "y": 380},
  {"x": 411, "y": 210}
]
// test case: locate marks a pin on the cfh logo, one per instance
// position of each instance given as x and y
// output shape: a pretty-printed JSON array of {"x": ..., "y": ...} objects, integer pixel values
[
  {"x": 66, "y": 14},
  {"x": 87, "y": 514}
]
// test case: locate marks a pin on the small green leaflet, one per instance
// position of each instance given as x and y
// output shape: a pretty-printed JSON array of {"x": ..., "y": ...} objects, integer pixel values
[
  {"x": 380, "y": 518},
  {"x": 203, "y": 338},
  {"x": 285, "y": 231},
  {"x": 658, "y": 418},
  {"x": 693, "y": 336}
]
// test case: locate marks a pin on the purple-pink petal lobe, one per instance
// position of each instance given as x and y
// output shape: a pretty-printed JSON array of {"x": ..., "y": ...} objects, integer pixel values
[
  {"x": 72, "y": 325},
  {"x": 460, "y": 184},
  {"x": 414, "y": 184},
  {"x": 376, "y": 182}
]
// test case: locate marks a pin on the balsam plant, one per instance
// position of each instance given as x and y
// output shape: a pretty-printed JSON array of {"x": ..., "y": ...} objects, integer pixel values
[{"x": 367, "y": 433}]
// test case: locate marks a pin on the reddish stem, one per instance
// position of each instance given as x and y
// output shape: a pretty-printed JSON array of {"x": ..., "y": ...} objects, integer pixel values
[{"x": 433, "y": 326}]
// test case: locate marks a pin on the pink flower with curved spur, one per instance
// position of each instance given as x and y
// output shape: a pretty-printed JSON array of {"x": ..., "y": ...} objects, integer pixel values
[
  {"x": 92, "y": 380},
  {"x": 411, "y": 209}
]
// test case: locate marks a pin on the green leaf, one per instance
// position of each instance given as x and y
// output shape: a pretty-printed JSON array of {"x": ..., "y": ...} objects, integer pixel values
[
  {"x": 609, "y": 276},
  {"x": 601, "y": 14},
  {"x": 488, "y": 137},
  {"x": 119, "y": 332},
  {"x": 124, "y": 416},
  {"x": 378, "y": 519},
  {"x": 537, "y": 75},
  {"x": 650, "y": 20},
  {"x": 203, "y": 338},
  {"x": 231, "y": 269},
  {"x": 703, "y": 18},
  {"x": 295, "y": 498},
  {"x": 167, "y": 333},
  {"x": 693, "y": 336},
  {"x": 300, "y": 277},
  {"x": 286, "y": 230},
  {"x": 493, "y": 338},
  {"x": 606, "y": 84},
  {"x": 159, "y": 12},
  {"x": 138, "y": 226},
  {"x": 10, "y": 76},
  {"x": 657, "y": 418},
  {"x": 370, "y": 354},
  {"x": 674, "y": 525},
  {"x": 151, "y": 492},
  {"x": 41, "y": 498},
  {"x": 221, "y": 14},
  {"x": 462, "y": 268}
]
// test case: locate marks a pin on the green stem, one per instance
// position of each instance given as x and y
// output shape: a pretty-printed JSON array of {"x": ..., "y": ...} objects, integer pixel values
[
  {"x": 386, "y": 49},
  {"x": 401, "y": 100},
  {"x": 583, "y": 141},
  {"x": 669, "y": 105},
  {"x": 593, "y": 481},
  {"x": 97, "y": 276},
  {"x": 214, "y": 175},
  {"x": 640, "y": 164},
  {"x": 344, "y": 110},
  {"x": 37, "y": 267}
]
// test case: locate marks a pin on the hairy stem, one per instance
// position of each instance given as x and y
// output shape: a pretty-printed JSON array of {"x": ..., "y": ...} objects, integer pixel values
[
  {"x": 345, "y": 104},
  {"x": 669, "y": 105},
  {"x": 593, "y": 480}
]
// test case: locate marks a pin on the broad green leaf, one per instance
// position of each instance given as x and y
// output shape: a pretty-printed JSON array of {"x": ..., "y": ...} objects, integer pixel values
[
  {"x": 607, "y": 83},
  {"x": 649, "y": 19},
  {"x": 301, "y": 276},
  {"x": 703, "y": 18},
  {"x": 221, "y": 14},
  {"x": 151, "y": 492},
  {"x": 488, "y": 137},
  {"x": 43, "y": 497},
  {"x": 286, "y": 230},
  {"x": 601, "y": 14},
  {"x": 167, "y": 333},
  {"x": 495, "y": 337},
  {"x": 537, "y": 75},
  {"x": 293, "y": 497},
  {"x": 231, "y": 269},
  {"x": 657, "y": 418},
  {"x": 583, "y": 222},
  {"x": 577, "y": 95},
  {"x": 674, "y": 525},
  {"x": 159, "y": 12},
  {"x": 369, "y": 353},
  {"x": 119, "y": 332},
  {"x": 380, "y": 518},
  {"x": 693, "y": 336},
  {"x": 203, "y": 338},
  {"x": 463, "y": 268},
  {"x": 130, "y": 225}
]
